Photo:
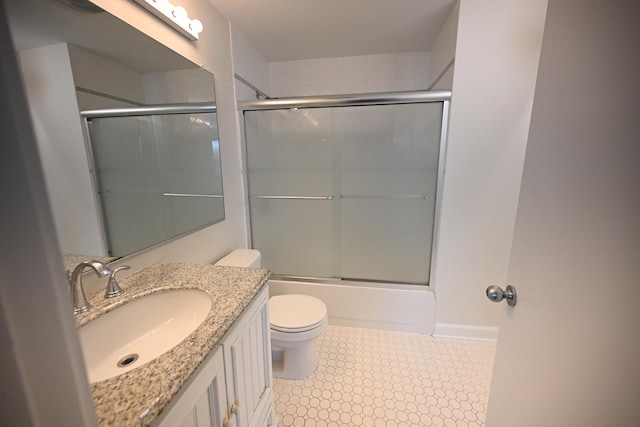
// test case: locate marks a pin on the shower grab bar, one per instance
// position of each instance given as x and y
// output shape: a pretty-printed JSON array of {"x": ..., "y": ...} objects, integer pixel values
[
  {"x": 294, "y": 197},
  {"x": 208, "y": 196},
  {"x": 394, "y": 196}
]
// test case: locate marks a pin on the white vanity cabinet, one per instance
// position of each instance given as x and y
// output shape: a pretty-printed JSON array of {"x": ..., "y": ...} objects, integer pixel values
[
  {"x": 203, "y": 401},
  {"x": 247, "y": 359},
  {"x": 233, "y": 386}
]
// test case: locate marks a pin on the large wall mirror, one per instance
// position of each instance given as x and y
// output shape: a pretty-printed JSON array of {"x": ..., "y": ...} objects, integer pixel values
[{"x": 127, "y": 130}]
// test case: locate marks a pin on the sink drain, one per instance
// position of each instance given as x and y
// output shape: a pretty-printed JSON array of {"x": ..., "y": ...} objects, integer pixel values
[{"x": 127, "y": 360}]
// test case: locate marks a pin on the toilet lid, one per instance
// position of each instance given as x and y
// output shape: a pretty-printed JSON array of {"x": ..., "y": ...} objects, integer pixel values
[{"x": 296, "y": 313}]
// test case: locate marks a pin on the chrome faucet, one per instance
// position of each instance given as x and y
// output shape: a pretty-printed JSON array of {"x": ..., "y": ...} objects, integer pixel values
[
  {"x": 78, "y": 297},
  {"x": 113, "y": 288}
]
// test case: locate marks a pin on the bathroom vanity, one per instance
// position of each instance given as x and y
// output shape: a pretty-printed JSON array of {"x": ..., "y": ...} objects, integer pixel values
[{"x": 220, "y": 375}]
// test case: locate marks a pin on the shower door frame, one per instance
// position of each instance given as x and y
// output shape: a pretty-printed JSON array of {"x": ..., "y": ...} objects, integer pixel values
[{"x": 356, "y": 100}]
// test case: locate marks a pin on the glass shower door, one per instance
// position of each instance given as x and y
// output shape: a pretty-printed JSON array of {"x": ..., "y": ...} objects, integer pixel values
[
  {"x": 388, "y": 175},
  {"x": 290, "y": 157},
  {"x": 345, "y": 192}
]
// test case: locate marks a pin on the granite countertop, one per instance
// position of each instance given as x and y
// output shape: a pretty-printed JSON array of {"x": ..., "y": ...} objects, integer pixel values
[{"x": 121, "y": 400}]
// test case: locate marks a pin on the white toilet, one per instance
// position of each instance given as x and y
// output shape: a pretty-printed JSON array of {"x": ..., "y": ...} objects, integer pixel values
[{"x": 296, "y": 321}]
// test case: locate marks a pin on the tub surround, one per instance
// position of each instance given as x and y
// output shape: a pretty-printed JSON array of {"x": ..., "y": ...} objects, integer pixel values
[{"x": 121, "y": 400}]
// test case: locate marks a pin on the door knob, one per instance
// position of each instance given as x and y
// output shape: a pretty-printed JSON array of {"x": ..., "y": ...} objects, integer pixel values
[{"x": 496, "y": 294}]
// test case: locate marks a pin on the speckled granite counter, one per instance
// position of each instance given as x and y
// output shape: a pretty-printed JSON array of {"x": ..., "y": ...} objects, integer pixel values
[{"x": 121, "y": 400}]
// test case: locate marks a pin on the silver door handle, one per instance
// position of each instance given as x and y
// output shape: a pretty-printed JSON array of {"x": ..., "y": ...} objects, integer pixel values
[{"x": 496, "y": 294}]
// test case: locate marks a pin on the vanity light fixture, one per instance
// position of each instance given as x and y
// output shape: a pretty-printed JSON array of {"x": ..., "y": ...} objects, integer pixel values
[{"x": 175, "y": 16}]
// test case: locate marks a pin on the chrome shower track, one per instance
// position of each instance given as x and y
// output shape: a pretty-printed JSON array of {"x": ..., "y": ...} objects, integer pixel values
[{"x": 384, "y": 98}]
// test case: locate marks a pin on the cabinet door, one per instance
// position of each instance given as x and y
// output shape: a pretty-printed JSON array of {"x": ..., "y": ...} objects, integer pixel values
[
  {"x": 203, "y": 403},
  {"x": 247, "y": 355},
  {"x": 266, "y": 419}
]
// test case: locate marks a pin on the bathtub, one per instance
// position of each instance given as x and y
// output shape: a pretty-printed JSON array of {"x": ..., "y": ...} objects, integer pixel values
[{"x": 402, "y": 308}]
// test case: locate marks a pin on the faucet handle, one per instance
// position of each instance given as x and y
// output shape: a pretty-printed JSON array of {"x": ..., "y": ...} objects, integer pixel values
[
  {"x": 78, "y": 297},
  {"x": 113, "y": 288}
]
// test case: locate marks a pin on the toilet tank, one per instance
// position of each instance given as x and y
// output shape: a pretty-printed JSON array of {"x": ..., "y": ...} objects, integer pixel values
[{"x": 241, "y": 258}]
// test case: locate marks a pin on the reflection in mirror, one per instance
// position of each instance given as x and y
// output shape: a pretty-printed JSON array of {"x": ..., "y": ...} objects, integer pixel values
[
  {"x": 157, "y": 172},
  {"x": 73, "y": 61}
]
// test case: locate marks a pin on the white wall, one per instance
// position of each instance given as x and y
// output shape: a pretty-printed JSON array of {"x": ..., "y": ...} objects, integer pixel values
[
  {"x": 91, "y": 71},
  {"x": 443, "y": 52},
  {"x": 54, "y": 111},
  {"x": 178, "y": 86},
  {"x": 351, "y": 74},
  {"x": 497, "y": 53},
  {"x": 249, "y": 64}
]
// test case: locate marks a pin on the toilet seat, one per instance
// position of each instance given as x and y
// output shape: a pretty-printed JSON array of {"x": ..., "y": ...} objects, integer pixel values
[
  {"x": 296, "y": 330},
  {"x": 296, "y": 313}
]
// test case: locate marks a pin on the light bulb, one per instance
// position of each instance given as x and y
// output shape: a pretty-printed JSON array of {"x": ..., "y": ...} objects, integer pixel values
[
  {"x": 196, "y": 26},
  {"x": 180, "y": 13},
  {"x": 161, "y": 5}
]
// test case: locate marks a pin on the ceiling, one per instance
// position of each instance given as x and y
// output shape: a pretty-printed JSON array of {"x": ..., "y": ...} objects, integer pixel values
[{"x": 284, "y": 30}]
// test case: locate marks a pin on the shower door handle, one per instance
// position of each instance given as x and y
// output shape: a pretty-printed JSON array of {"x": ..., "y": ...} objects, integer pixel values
[
  {"x": 294, "y": 197},
  {"x": 205, "y": 196},
  {"x": 496, "y": 294}
]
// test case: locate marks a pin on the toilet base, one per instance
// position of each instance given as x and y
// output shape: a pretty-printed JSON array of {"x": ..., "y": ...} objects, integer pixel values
[
  {"x": 294, "y": 354},
  {"x": 295, "y": 362}
]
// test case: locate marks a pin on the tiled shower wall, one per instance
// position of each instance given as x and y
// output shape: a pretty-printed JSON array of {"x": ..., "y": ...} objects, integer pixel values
[{"x": 352, "y": 74}]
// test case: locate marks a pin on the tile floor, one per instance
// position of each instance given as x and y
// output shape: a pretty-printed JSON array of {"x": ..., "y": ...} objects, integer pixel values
[{"x": 378, "y": 378}]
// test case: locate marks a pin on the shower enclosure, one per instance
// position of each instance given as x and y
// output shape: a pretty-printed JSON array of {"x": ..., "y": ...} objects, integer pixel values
[{"x": 346, "y": 187}]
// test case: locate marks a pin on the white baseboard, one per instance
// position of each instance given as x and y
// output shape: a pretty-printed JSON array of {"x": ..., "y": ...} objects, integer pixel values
[
  {"x": 467, "y": 332},
  {"x": 391, "y": 308}
]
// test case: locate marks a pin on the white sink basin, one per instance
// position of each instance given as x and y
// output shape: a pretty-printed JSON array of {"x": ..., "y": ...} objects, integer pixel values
[{"x": 140, "y": 331}]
